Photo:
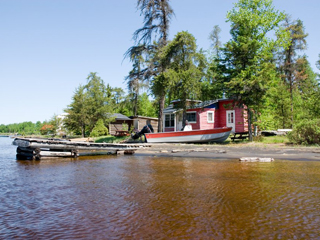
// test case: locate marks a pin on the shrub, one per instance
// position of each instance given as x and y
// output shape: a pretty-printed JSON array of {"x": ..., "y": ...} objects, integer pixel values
[
  {"x": 99, "y": 129},
  {"x": 306, "y": 132},
  {"x": 125, "y": 126},
  {"x": 47, "y": 129},
  {"x": 258, "y": 138}
]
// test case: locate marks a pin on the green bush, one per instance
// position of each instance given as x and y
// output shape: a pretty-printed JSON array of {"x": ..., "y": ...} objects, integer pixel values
[
  {"x": 258, "y": 138},
  {"x": 99, "y": 129},
  {"x": 306, "y": 132}
]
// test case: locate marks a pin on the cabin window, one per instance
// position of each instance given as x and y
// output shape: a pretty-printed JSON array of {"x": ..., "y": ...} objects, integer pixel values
[
  {"x": 210, "y": 117},
  {"x": 192, "y": 117},
  {"x": 169, "y": 120}
]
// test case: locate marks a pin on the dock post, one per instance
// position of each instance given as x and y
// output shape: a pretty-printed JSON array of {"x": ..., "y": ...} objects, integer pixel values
[
  {"x": 75, "y": 153},
  {"x": 36, "y": 154}
]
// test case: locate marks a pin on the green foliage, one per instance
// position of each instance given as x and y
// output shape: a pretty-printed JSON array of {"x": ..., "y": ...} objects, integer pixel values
[
  {"x": 149, "y": 41},
  {"x": 258, "y": 138},
  {"x": 306, "y": 132},
  {"x": 90, "y": 103},
  {"x": 136, "y": 75},
  {"x": 24, "y": 128},
  {"x": 291, "y": 67},
  {"x": 110, "y": 139},
  {"x": 185, "y": 68},
  {"x": 125, "y": 127},
  {"x": 275, "y": 139},
  {"x": 147, "y": 108},
  {"x": 99, "y": 129},
  {"x": 276, "y": 111},
  {"x": 246, "y": 59},
  {"x": 48, "y": 129}
]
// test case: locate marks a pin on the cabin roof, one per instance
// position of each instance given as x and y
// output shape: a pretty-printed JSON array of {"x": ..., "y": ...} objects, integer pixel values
[
  {"x": 197, "y": 104},
  {"x": 119, "y": 116},
  {"x": 142, "y": 117}
]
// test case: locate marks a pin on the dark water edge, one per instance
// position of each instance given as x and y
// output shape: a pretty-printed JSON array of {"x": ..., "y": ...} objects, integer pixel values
[{"x": 145, "y": 197}]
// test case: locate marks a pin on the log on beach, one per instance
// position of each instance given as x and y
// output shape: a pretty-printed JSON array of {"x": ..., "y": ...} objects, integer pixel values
[{"x": 256, "y": 159}]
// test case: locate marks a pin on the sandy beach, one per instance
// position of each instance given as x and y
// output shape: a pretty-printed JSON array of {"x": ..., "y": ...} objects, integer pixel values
[{"x": 233, "y": 151}]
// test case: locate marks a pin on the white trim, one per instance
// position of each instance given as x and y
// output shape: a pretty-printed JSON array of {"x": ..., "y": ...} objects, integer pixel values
[
  {"x": 212, "y": 112},
  {"x": 231, "y": 119}
]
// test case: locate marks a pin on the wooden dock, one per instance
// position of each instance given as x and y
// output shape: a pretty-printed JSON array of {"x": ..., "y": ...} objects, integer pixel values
[{"x": 33, "y": 148}]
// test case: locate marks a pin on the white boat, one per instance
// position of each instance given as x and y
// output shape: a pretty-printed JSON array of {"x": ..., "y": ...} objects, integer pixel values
[{"x": 194, "y": 136}]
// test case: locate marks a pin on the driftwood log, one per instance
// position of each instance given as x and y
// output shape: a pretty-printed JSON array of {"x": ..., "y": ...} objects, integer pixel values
[{"x": 256, "y": 159}]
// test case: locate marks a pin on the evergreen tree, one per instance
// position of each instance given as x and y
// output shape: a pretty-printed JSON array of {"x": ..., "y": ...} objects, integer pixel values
[
  {"x": 148, "y": 108},
  {"x": 289, "y": 56},
  {"x": 90, "y": 103},
  {"x": 78, "y": 118},
  {"x": 211, "y": 86},
  {"x": 185, "y": 68},
  {"x": 214, "y": 37},
  {"x": 157, "y": 16},
  {"x": 246, "y": 60}
]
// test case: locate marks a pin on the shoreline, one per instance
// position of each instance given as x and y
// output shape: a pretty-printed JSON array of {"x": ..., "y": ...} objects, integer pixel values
[{"x": 231, "y": 152}]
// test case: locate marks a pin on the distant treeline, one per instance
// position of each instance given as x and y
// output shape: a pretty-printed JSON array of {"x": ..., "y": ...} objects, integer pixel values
[{"x": 22, "y": 128}]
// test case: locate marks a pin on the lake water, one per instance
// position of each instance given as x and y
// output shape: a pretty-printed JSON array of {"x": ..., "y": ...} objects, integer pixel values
[{"x": 138, "y": 197}]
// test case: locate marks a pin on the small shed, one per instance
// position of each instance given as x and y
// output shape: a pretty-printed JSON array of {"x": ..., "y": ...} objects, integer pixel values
[
  {"x": 121, "y": 122},
  {"x": 140, "y": 121}
]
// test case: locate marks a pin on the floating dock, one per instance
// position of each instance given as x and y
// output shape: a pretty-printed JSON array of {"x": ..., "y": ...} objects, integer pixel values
[{"x": 33, "y": 148}]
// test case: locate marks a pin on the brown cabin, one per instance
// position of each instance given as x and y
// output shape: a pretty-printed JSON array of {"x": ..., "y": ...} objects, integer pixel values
[
  {"x": 121, "y": 123},
  {"x": 140, "y": 121}
]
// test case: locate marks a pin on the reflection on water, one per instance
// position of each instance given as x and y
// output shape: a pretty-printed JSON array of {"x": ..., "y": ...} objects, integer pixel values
[{"x": 132, "y": 197}]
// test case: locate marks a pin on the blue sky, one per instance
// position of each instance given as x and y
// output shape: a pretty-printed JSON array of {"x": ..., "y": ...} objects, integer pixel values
[{"x": 48, "y": 47}]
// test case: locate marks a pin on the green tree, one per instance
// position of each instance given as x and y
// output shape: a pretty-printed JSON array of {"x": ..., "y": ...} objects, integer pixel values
[
  {"x": 185, "y": 67},
  {"x": 147, "y": 107},
  {"x": 214, "y": 37},
  {"x": 318, "y": 63},
  {"x": 246, "y": 59},
  {"x": 118, "y": 95},
  {"x": 306, "y": 91},
  {"x": 211, "y": 86},
  {"x": 150, "y": 39},
  {"x": 289, "y": 57},
  {"x": 90, "y": 103},
  {"x": 99, "y": 129},
  {"x": 78, "y": 118},
  {"x": 136, "y": 76}
]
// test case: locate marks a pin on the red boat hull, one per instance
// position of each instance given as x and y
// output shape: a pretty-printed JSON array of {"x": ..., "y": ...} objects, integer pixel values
[{"x": 207, "y": 135}]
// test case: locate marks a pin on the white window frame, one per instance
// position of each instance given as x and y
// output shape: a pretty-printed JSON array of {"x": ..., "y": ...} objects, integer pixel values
[
  {"x": 210, "y": 112},
  {"x": 196, "y": 117}
]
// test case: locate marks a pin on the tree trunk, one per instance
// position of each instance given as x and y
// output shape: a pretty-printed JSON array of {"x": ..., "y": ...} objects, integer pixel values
[
  {"x": 184, "y": 118},
  {"x": 249, "y": 125},
  {"x": 291, "y": 95},
  {"x": 160, "y": 115},
  {"x": 83, "y": 132},
  {"x": 135, "y": 108}
]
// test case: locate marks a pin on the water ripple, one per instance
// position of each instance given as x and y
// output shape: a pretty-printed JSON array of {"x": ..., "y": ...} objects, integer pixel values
[{"x": 157, "y": 198}]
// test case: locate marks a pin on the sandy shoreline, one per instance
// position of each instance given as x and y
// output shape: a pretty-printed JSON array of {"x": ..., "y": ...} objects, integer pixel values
[{"x": 223, "y": 152}]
